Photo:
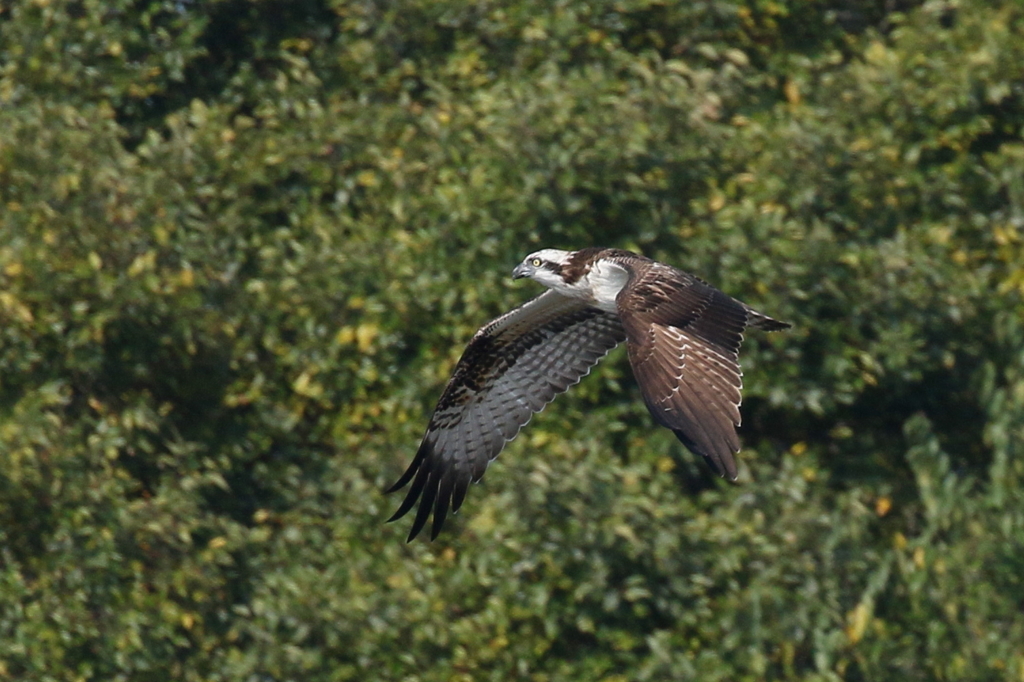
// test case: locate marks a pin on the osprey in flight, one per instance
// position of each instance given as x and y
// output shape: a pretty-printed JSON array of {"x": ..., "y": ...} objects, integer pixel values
[{"x": 682, "y": 334}]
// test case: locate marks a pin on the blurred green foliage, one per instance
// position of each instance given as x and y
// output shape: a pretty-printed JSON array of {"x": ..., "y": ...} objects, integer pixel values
[{"x": 243, "y": 242}]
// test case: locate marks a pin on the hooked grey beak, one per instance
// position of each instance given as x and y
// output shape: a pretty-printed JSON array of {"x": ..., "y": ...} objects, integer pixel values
[{"x": 522, "y": 270}]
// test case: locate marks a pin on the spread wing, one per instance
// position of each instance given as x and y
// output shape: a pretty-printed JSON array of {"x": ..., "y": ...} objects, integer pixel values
[
  {"x": 684, "y": 338},
  {"x": 511, "y": 369}
]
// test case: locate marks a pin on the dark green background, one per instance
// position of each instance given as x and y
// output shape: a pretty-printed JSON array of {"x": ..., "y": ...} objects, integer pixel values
[{"x": 243, "y": 243}]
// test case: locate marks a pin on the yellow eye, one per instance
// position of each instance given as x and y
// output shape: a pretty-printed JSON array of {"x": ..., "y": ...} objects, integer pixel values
[{"x": 535, "y": 262}]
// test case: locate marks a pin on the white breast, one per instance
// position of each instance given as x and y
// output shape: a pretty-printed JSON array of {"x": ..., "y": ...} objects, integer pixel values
[{"x": 605, "y": 280}]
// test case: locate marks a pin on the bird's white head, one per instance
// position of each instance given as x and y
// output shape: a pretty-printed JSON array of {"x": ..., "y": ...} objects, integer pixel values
[
  {"x": 544, "y": 266},
  {"x": 592, "y": 274}
]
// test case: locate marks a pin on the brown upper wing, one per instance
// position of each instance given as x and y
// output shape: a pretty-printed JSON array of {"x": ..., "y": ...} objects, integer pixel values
[
  {"x": 511, "y": 369},
  {"x": 684, "y": 338}
]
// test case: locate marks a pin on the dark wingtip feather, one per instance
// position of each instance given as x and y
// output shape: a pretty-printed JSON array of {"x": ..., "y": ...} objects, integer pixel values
[
  {"x": 723, "y": 464},
  {"x": 764, "y": 323},
  {"x": 774, "y": 326},
  {"x": 421, "y": 455},
  {"x": 403, "y": 510},
  {"x": 459, "y": 493},
  {"x": 414, "y": 491},
  {"x": 731, "y": 474},
  {"x": 400, "y": 483},
  {"x": 426, "y": 503},
  {"x": 444, "y": 496},
  {"x": 440, "y": 512}
]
